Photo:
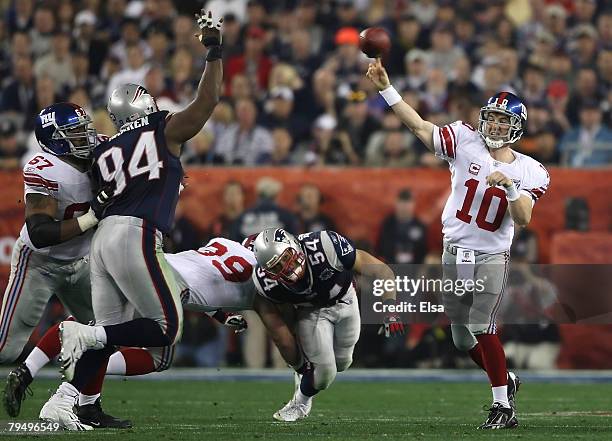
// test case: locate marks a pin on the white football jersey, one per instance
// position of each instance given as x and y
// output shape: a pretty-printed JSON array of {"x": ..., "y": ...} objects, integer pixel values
[
  {"x": 476, "y": 216},
  {"x": 218, "y": 275},
  {"x": 47, "y": 174}
]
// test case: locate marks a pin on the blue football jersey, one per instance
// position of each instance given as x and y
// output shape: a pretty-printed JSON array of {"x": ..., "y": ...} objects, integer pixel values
[
  {"x": 330, "y": 258},
  {"x": 145, "y": 175}
]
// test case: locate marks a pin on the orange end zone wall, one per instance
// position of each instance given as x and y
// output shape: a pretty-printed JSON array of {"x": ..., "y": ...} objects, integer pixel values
[{"x": 358, "y": 199}]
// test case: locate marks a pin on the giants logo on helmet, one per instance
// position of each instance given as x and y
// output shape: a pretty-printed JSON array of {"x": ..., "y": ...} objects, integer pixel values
[{"x": 48, "y": 119}]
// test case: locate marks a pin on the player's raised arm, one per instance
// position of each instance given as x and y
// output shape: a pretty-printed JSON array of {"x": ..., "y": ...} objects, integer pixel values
[
  {"x": 185, "y": 124},
  {"x": 421, "y": 128}
]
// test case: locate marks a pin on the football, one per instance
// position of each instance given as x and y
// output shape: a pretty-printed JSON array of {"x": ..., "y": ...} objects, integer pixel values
[{"x": 374, "y": 42}]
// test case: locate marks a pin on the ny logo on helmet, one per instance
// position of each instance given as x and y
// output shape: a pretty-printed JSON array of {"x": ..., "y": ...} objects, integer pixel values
[{"x": 48, "y": 119}]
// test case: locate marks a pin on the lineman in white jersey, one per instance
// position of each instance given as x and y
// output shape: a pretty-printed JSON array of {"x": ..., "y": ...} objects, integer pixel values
[
  {"x": 51, "y": 254},
  {"x": 493, "y": 188}
]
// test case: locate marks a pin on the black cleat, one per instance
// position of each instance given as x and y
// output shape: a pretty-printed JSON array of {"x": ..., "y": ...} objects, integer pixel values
[
  {"x": 17, "y": 387},
  {"x": 93, "y": 415},
  {"x": 514, "y": 382},
  {"x": 500, "y": 418}
]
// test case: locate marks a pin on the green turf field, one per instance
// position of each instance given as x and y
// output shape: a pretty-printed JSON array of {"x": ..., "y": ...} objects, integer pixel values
[{"x": 204, "y": 410}]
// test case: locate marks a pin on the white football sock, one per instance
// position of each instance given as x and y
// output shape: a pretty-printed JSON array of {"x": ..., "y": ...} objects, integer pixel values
[
  {"x": 300, "y": 398},
  {"x": 36, "y": 360},
  {"x": 87, "y": 399},
  {"x": 500, "y": 395},
  {"x": 100, "y": 334},
  {"x": 116, "y": 364},
  {"x": 68, "y": 389}
]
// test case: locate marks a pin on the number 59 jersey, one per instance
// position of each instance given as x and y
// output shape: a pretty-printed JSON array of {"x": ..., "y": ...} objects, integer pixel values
[
  {"x": 143, "y": 172},
  {"x": 48, "y": 175},
  {"x": 476, "y": 216},
  {"x": 217, "y": 275}
]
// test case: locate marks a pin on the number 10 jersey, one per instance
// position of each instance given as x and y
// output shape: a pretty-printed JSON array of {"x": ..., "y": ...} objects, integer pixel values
[
  {"x": 145, "y": 175},
  {"x": 476, "y": 216}
]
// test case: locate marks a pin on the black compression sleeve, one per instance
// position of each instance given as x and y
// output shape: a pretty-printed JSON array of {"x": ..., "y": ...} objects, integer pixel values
[{"x": 43, "y": 230}]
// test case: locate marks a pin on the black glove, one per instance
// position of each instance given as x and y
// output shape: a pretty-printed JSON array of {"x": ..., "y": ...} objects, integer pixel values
[
  {"x": 102, "y": 199},
  {"x": 210, "y": 31}
]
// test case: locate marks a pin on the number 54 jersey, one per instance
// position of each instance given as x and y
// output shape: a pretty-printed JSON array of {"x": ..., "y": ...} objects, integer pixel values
[
  {"x": 143, "y": 172},
  {"x": 476, "y": 216},
  {"x": 48, "y": 175}
]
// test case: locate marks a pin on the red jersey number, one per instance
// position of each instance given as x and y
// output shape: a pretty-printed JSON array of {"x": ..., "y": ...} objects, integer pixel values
[
  {"x": 40, "y": 162},
  {"x": 487, "y": 199},
  {"x": 233, "y": 268}
]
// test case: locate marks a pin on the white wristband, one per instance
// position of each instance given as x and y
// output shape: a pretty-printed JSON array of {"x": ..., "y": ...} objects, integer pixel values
[
  {"x": 391, "y": 96},
  {"x": 87, "y": 221},
  {"x": 512, "y": 193}
]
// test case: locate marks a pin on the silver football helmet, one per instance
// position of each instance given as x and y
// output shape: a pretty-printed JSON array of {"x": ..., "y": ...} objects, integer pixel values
[
  {"x": 128, "y": 103},
  {"x": 280, "y": 255}
]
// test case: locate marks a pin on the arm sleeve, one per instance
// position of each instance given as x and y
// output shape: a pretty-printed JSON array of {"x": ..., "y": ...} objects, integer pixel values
[
  {"x": 447, "y": 138},
  {"x": 339, "y": 251},
  {"x": 537, "y": 183}
]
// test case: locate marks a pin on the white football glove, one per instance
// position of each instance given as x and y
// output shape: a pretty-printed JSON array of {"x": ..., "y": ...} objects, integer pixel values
[{"x": 210, "y": 30}]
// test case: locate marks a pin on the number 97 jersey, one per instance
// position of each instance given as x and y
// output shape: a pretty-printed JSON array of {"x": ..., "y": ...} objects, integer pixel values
[
  {"x": 144, "y": 174},
  {"x": 476, "y": 216}
]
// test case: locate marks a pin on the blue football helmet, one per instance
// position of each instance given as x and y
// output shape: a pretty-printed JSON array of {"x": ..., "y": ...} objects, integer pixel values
[
  {"x": 509, "y": 105},
  {"x": 64, "y": 129}
]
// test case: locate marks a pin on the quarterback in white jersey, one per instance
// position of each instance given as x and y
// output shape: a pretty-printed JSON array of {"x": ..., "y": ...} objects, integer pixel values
[{"x": 493, "y": 188}]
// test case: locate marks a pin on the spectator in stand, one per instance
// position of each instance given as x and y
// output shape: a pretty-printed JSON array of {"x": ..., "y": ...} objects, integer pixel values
[
  {"x": 283, "y": 143},
  {"x": 279, "y": 113},
  {"x": 21, "y": 18},
  {"x": 585, "y": 90},
  {"x": 357, "y": 122},
  {"x": 18, "y": 92},
  {"x": 158, "y": 39},
  {"x": 199, "y": 149},
  {"x": 589, "y": 144},
  {"x": 584, "y": 45},
  {"x": 408, "y": 30},
  {"x": 134, "y": 73},
  {"x": 309, "y": 200},
  {"x": 534, "y": 84},
  {"x": 444, "y": 52},
  {"x": 184, "y": 235},
  {"x": 244, "y": 142},
  {"x": 403, "y": 237},
  {"x": 83, "y": 79},
  {"x": 57, "y": 64},
  {"x": 232, "y": 37},
  {"x": 394, "y": 152},
  {"x": 130, "y": 38},
  {"x": 233, "y": 206},
  {"x": 266, "y": 213},
  {"x": 11, "y": 151},
  {"x": 347, "y": 61},
  {"x": 41, "y": 33},
  {"x": 417, "y": 70},
  {"x": 86, "y": 40},
  {"x": 328, "y": 146},
  {"x": 253, "y": 62},
  {"x": 301, "y": 55}
]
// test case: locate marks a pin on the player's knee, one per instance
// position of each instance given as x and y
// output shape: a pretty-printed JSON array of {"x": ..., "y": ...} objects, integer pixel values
[
  {"x": 343, "y": 363},
  {"x": 462, "y": 338},
  {"x": 324, "y": 376}
]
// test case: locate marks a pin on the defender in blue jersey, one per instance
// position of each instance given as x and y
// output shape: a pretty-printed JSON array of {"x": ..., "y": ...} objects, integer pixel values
[
  {"x": 139, "y": 174},
  {"x": 314, "y": 273}
]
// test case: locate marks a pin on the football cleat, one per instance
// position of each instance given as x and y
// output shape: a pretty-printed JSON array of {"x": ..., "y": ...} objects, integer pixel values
[
  {"x": 76, "y": 338},
  {"x": 17, "y": 387},
  {"x": 60, "y": 409},
  {"x": 293, "y": 411},
  {"x": 93, "y": 415},
  {"x": 500, "y": 418},
  {"x": 514, "y": 382}
]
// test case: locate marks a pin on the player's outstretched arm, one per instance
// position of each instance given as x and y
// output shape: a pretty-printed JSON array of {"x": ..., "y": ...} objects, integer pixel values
[
  {"x": 279, "y": 331},
  {"x": 368, "y": 265},
  {"x": 421, "y": 128},
  {"x": 44, "y": 230},
  {"x": 185, "y": 124}
]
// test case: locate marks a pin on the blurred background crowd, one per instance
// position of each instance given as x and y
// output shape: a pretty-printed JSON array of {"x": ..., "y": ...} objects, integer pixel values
[
  {"x": 295, "y": 92},
  {"x": 295, "y": 95}
]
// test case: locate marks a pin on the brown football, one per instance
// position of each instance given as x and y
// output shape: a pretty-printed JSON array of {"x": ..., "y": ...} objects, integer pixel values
[{"x": 374, "y": 42}]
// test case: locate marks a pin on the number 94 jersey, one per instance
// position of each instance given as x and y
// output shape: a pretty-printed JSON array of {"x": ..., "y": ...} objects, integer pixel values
[
  {"x": 476, "y": 216},
  {"x": 143, "y": 172}
]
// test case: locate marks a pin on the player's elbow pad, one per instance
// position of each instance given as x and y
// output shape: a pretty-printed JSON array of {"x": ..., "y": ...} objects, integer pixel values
[{"x": 43, "y": 230}]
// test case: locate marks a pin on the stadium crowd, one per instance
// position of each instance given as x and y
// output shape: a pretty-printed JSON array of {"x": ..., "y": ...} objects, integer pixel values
[
  {"x": 295, "y": 91},
  {"x": 295, "y": 94}
]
